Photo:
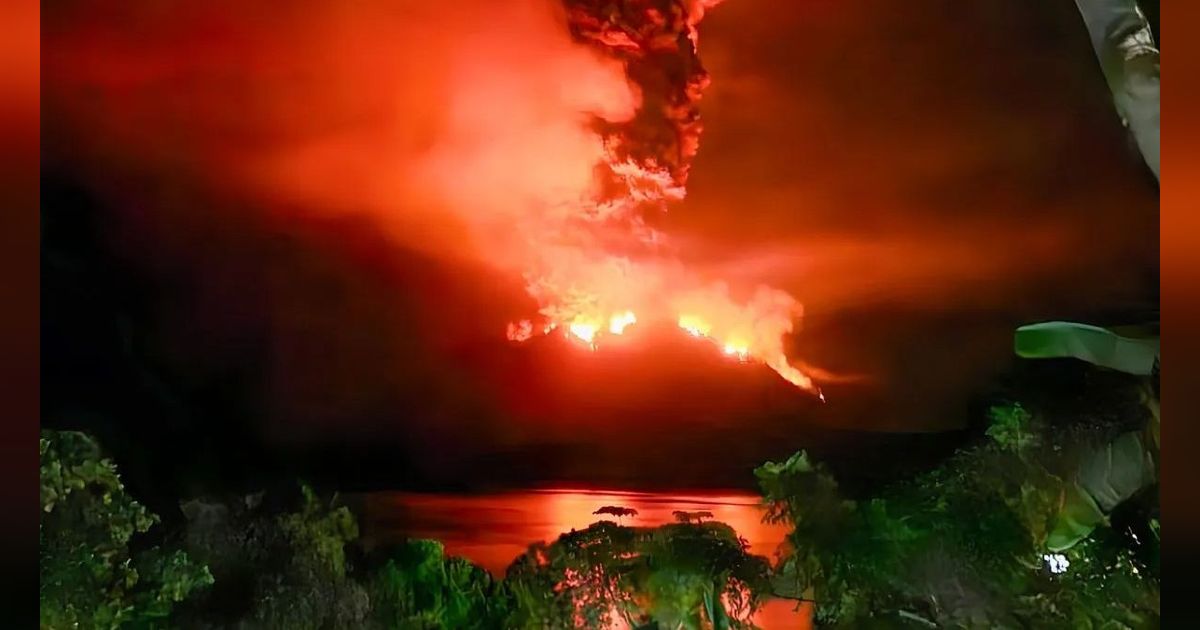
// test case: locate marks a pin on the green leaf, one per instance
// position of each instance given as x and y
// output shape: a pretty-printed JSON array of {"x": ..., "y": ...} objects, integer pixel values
[
  {"x": 1098, "y": 346},
  {"x": 1116, "y": 471},
  {"x": 716, "y": 611},
  {"x": 89, "y": 576},
  {"x": 1010, "y": 427},
  {"x": 1077, "y": 518}
]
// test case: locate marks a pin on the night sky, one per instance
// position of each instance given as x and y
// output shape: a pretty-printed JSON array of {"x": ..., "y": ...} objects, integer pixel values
[{"x": 922, "y": 176}]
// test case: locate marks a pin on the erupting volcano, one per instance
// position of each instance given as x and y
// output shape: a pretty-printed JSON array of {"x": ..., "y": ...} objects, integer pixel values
[
  {"x": 543, "y": 140},
  {"x": 597, "y": 265}
]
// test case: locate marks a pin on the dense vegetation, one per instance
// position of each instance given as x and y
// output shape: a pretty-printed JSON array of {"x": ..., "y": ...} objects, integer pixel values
[
  {"x": 1049, "y": 519},
  {"x": 682, "y": 575},
  {"x": 97, "y": 568},
  {"x": 1042, "y": 524},
  {"x": 294, "y": 562}
]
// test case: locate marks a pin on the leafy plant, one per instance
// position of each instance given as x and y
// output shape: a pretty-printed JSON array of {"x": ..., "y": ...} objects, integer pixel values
[
  {"x": 319, "y": 532},
  {"x": 965, "y": 544},
  {"x": 420, "y": 588},
  {"x": 1098, "y": 346},
  {"x": 89, "y": 576},
  {"x": 278, "y": 569},
  {"x": 680, "y": 575},
  {"x": 1011, "y": 427}
]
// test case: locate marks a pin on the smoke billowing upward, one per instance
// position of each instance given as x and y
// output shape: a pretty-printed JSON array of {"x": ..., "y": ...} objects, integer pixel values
[
  {"x": 605, "y": 267},
  {"x": 885, "y": 180},
  {"x": 541, "y": 140},
  {"x": 657, "y": 41}
]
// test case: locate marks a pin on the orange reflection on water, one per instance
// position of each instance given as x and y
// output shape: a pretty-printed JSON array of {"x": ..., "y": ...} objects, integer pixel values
[{"x": 493, "y": 529}]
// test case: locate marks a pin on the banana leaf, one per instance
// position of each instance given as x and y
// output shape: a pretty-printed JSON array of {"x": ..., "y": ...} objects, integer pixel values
[
  {"x": 1077, "y": 518},
  {"x": 1106, "y": 477},
  {"x": 1116, "y": 471},
  {"x": 715, "y": 610},
  {"x": 1098, "y": 346},
  {"x": 1128, "y": 55},
  {"x": 1150, "y": 400}
]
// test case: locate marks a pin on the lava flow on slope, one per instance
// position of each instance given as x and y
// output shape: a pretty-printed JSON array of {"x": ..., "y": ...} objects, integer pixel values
[{"x": 597, "y": 265}]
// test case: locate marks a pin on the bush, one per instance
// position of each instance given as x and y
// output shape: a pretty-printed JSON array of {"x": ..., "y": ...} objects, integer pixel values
[
  {"x": 681, "y": 575},
  {"x": 89, "y": 576},
  {"x": 976, "y": 542},
  {"x": 276, "y": 569},
  {"x": 419, "y": 588}
]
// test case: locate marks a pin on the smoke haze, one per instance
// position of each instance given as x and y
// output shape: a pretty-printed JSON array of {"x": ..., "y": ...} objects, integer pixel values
[{"x": 338, "y": 206}]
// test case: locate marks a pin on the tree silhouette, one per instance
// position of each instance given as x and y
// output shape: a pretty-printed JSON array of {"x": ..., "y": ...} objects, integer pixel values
[
  {"x": 617, "y": 511},
  {"x": 688, "y": 517}
]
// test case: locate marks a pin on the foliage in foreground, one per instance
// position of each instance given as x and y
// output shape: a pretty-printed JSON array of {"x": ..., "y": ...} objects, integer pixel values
[
  {"x": 968, "y": 544},
  {"x": 91, "y": 576},
  {"x": 420, "y": 587},
  {"x": 276, "y": 566},
  {"x": 300, "y": 565},
  {"x": 297, "y": 564},
  {"x": 979, "y": 541},
  {"x": 681, "y": 575}
]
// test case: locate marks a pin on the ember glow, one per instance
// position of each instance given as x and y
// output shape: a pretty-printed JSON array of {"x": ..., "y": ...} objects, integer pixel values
[
  {"x": 620, "y": 321},
  {"x": 541, "y": 138},
  {"x": 598, "y": 267}
]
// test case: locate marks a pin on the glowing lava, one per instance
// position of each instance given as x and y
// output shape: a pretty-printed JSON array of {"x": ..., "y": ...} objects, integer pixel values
[
  {"x": 542, "y": 141},
  {"x": 596, "y": 261},
  {"x": 694, "y": 326},
  {"x": 735, "y": 350},
  {"x": 619, "y": 322},
  {"x": 584, "y": 331}
]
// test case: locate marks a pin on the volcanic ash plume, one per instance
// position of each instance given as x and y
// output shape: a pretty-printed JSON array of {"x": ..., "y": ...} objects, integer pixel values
[
  {"x": 601, "y": 266},
  {"x": 545, "y": 140}
]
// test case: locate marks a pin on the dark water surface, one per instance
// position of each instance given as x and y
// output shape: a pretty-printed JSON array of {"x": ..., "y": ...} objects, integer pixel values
[{"x": 493, "y": 529}]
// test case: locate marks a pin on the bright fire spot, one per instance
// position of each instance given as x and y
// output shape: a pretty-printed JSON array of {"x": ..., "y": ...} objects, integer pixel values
[
  {"x": 591, "y": 258},
  {"x": 795, "y": 376},
  {"x": 741, "y": 352},
  {"x": 621, "y": 321},
  {"x": 694, "y": 326},
  {"x": 584, "y": 331}
]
